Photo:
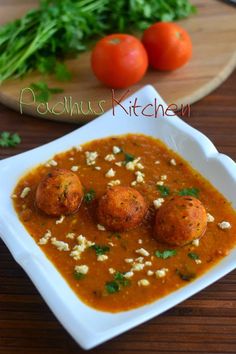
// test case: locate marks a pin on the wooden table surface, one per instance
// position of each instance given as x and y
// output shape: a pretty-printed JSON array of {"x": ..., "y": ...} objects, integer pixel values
[{"x": 206, "y": 323}]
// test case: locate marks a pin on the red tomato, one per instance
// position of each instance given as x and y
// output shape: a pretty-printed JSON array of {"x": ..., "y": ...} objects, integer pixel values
[
  {"x": 168, "y": 46},
  {"x": 119, "y": 60}
]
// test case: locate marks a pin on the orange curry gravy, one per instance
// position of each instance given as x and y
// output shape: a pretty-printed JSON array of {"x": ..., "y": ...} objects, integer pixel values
[{"x": 112, "y": 292}]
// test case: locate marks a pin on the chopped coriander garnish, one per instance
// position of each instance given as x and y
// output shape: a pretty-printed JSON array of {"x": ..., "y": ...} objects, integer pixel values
[
  {"x": 112, "y": 287},
  {"x": 185, "y": 276},
  {"x": 62, "y": 72},
  {"x": 165, "y": 191},
  {"x": 118, "y": 282},
  {"x": 89, "y": 196},
  {"x": 9, "y": 140},
  {"x": 100, "y": 250},
  {"x": 165, "y": 254},
  {"x": 193, "y": 255},
  {"x": 193, "y": 192},
  {"x": 119, "y": 277},
  {"x": 42, "y": 92},
  {"x": 78, "y": 276},
  {"x": 129, "y": 157}
]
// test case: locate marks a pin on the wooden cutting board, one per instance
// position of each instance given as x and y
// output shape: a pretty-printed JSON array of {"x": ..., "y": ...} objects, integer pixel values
[{"x": 213, "y": 32}]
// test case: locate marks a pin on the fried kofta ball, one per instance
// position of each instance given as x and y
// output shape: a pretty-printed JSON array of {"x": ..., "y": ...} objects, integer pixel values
[
  {"x": 59, "y": 193},
  {"x": 180, "y": 220},
  {"x": 121, "y": 208}
]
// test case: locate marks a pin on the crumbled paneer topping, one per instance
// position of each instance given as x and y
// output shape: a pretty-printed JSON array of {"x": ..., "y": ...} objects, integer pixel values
[
  {"x": 102, "y": 257},
  {"x": 210, "y": 218},
  {"x": 14, "y": 196},
  {"x": 60, "y": 221},
  {"x": 74, "y": 168},
  {"x": 70, "y": 235},
  {"x": 224, "y": 225},
  {"x": 161, "y": 273},
  {"x": 45, "y": 238},
  {"x": 196, "y": 242},
  {"x": 173, "y": 162},
  {"x": 113, "y": 183},
  {"x": 83, "y": 244},
  {"x": 52, "y": 163},
  {"x": 60, "y": 245},
  {"x": 101, "y": 227},
  {"x": 129, "y": 260},
  {"x": 157, "y": 162},
  {"x": 91, "y": 157},
  {"x": 79, "y": 148},
  {"x": 82, "y": 269},
  {"x": 111, "y": 270},
  {"x": 158, "y": 203},
  {"x": 143, "y": 282},
  {"x": 116, "y": 150},
  {"x": 120, "y": 163},
  {"x": 110, "y": 173},
  {"x": 98, "y": 168},
  {"x": 131, "y": 165},
  {"x": 160, "y": 183},
  {"x": 128, "y": 275},
  {"x": 71, "y": 158},
  {"x": 139, "y": 177},
  {"x": 111, "y": 244},
  {"x": 198, "y": 261},
  {"x": 139, "y": 259},
  {"x": 137, "y": 267},
  {"x": 140, "y": 241},
  {"x": 133, "y": 183},
  {"x": 109, "y": 157},
  {"x": 143, "y": 252},
  {"x": 25, "y": 192},
  {"x": 148, "y": 263},
  {"x": 150, "y": 273},
  {"x": 164, "y": 177}
]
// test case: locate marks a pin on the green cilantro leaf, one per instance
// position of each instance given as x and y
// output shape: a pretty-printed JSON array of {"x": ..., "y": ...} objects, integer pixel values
[
  {"x": 165, "y": 254},
  {"x": 128, "y": 157},
  {"x": 100, "y": 250},
  {"x": 42, "y": 92},
  {"x": 78, "y": 276},
  {"x": 62, "y": 72},
  {"x": 119, "y": 277},
  {"x": 9, "y": 140},
  {"x": 89, "y": 196},
  {"x": 112, "y": 287},
  {"x": 193, "y": 255},
  {"x": 165, "y": 191},
  {"x": 193, "y": 192}
]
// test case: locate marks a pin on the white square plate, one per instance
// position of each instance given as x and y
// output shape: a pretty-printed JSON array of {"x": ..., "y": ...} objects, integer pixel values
[{"x": 87, "y": 326}]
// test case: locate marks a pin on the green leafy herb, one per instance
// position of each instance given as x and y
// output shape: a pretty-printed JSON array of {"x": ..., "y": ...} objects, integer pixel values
[
  {"x": 100, "y": 250},
  {"x": 128, "y": 157},
  {"x": 112, "y": 287},
  {"x": 193, "y": 255},
  {"x": 165, "y": 254},
  {"x": 9, "y": 140},
  {"x": 89, "y": 196},
  {"x": 58, "y": 29},
  {"x": 165, "y": 191},
  {"x": 118, "y": 282},
  {"x": 42, "y": 92},
  {"x": 62, "y": 72},
  {"x": 193, "y": 192},
  {"x": 185, "y": 276},
  {"x": 119, "y": 277},
  {"x": 78, "y": 276}
]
